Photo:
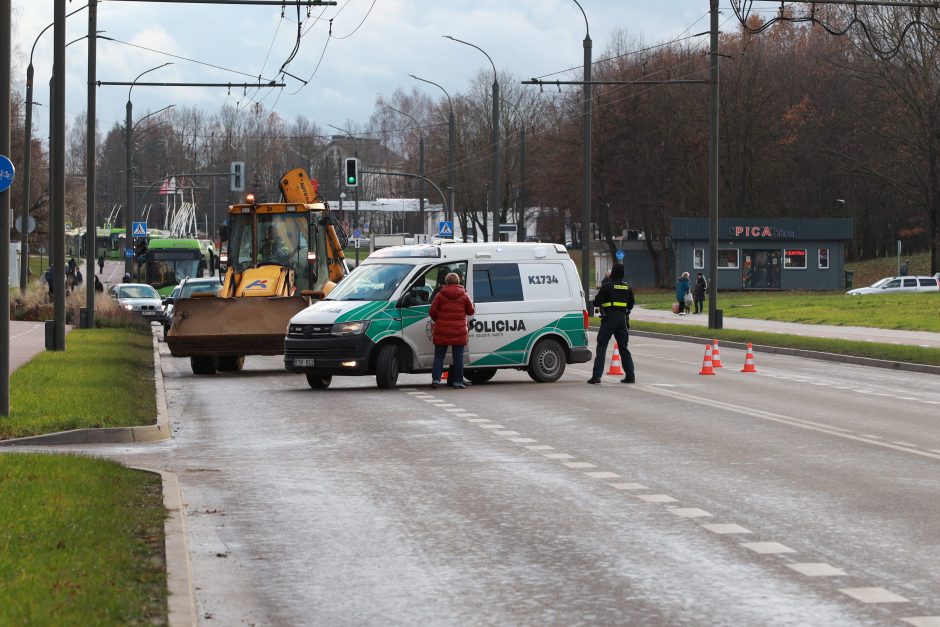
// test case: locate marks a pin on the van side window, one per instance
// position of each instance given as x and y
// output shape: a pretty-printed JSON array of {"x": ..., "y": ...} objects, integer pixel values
[{"x": 496, "y": 282}]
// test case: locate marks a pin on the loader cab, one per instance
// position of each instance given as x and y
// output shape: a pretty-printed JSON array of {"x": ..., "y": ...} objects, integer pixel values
[{"x": 279, "y": 235}]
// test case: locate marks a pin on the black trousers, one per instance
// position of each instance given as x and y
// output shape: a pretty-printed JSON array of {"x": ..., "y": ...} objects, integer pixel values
[{"x": 613, "y": 325}]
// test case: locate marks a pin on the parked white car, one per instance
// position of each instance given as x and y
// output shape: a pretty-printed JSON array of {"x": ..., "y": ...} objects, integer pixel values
[{"x": 899, "y": 285}]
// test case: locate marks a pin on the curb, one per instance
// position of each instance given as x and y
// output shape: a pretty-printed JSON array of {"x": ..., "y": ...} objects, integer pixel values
[
  {"x": 799, "y": 352},
  {"x": 181, "y": 603},
  {"x": 111, "y": 435}
]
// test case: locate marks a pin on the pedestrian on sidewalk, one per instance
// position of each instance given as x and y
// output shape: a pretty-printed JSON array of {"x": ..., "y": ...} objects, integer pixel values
[
  {"x": 449, "y": 311},
  {"x": 904, "y": 267},
  {"x": 101, "y": 263},
  {"x": 699, "y": 291},
  {"x": 615, "y": 301},
  {"x": 682, "y": 292}
]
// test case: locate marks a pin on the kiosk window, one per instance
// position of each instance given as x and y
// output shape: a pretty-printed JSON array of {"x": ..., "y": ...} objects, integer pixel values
[
  {"x": 496, "y": 282},
  {"x": 794, "y": 259},
  {"x": 823, "y": 258},
  {"x": 698, "y": 258},
  {"x": 728, "y": 258}
]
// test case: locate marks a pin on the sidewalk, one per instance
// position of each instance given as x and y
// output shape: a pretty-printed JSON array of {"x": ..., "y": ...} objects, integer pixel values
[{"x": 862, "y": 334}]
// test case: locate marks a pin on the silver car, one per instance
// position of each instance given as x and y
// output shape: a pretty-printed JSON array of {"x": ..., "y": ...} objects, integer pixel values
[
  {"x": 139, "y": 298},
  {"x": 899, "y": 285}
]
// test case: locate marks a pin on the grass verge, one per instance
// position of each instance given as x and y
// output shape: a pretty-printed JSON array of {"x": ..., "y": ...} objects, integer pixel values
[
  {"x": 81, "y": 542},
  {"x": 104, "y": 378},
  {"x": 910, "y": 312},
  {"x": 889, "y": 352}
]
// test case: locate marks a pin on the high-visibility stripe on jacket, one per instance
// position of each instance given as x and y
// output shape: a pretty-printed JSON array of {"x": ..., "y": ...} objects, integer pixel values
[{"x": 619, "y": 297}]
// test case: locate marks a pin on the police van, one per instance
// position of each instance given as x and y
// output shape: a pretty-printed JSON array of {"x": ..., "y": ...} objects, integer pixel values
[{"x": 529, "y": 314}]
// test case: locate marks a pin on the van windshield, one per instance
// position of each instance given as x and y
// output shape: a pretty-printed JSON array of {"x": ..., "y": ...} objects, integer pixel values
[{"x": 375, "y": 281}]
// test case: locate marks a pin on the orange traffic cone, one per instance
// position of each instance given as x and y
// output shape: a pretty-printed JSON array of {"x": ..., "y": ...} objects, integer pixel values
[
  {"x": 615, "y": 367},
  {"x": 707, "y": 363},
  {"x": 749, "y": 360},
  {"x": 716, "y": 356}
]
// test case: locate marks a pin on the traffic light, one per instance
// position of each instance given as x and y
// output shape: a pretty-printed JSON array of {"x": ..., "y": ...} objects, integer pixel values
[
  {"x": 352, "y": 172},
  {"x": 237, "y": 176}
]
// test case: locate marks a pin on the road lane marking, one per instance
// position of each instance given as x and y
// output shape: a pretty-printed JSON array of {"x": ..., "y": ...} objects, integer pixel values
[
  {"x": 478, "y": 420},
  {"x": 726, "y": 528},
  {"x": 767, "y": 548},
  {"x": 466, "y": 415},
  {"x": 507, "y": 433},
  {"x": 579, "y": 464},
  {"x": 817, "y": 570},
  {"x": 923, "y": 621},
  {"x": 557, "y": 455},
  {"x": 787, "y": 420},
  {"x": 453, "y": 410},
  {"x": 656, "y": 498},
  {"x": 540, "y": 447},
  {"x": 602, "y": 474},
  {"x": 522, "y": 440},
  {"x": 491, "y": 426},
  {"x": 628, "y": 486},
  {"x": 688, "y": 512},
  {"x": 873, "y": 595}
]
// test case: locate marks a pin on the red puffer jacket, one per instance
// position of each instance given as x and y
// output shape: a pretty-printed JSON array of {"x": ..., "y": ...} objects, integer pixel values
[{"x": 449, "y": 312}]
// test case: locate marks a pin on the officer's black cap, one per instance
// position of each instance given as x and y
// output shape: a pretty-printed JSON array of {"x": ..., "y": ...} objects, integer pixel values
[{"x": 616, "y": 272}]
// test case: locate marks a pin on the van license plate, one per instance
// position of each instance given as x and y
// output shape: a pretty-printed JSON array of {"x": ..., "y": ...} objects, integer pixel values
[{"x": 303, "y": 363}]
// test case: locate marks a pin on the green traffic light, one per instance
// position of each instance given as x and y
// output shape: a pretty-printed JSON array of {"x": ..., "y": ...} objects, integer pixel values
[{"x": 350, "y": 179}]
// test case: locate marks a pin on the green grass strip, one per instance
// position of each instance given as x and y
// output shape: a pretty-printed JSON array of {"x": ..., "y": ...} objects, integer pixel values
[
  {"x": 909, "y": 312},
  {"x": 81, "y": 542},
  {"x": 104, "y": 378},
  {"x": 889, "y": 352}
]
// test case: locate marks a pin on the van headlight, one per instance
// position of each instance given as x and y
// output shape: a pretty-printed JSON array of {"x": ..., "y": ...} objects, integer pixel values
[{"x": 349, "y": 328}]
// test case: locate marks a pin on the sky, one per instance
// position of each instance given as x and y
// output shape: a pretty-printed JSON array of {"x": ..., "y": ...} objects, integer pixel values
[{"x": 350, "y": 53}]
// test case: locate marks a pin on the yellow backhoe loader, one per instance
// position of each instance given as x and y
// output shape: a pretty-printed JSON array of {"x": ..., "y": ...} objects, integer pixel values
[{"x": 278, "y": 258}]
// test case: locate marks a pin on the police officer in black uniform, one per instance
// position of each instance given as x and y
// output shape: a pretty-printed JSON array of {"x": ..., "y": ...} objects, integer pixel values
[{"x": 615, "y": 300}]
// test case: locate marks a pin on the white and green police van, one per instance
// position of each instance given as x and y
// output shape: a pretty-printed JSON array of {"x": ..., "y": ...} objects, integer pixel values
[{"x": 529, "y": 314}]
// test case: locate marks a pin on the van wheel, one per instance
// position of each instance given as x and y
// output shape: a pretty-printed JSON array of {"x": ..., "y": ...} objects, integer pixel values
[
  {"x": 479, "y": 375},
  {"x": 203, "y": 365},
  {"x": 386, "y": 367},
  {"x": 547, "y": 362},
  {"x": 231, "y": 363},
  {"x": 319, "y": 381}
]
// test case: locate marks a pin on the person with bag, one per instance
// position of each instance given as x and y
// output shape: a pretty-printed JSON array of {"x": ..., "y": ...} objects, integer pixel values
[
  {"x": 683, "y": 294},
  {"x": 699, "y": 291},
  {"x": 449, "y": 311}
]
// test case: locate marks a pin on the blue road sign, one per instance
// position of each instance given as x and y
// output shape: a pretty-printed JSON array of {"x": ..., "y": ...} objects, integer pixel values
[
  {"x": 139, "y": 230},
  {"x": 445, "y": 229},
  {"x": 7, "y": 172},
  {"x": 357, "y": 233},
  {"x": 129, "y": 252},
  {"x": 619, "y": 255}
]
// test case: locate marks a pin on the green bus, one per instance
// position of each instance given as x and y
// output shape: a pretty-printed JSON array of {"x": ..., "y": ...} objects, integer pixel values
[{"x": 169, "y": 261}]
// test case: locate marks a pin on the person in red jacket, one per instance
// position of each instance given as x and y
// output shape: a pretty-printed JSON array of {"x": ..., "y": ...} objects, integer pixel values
[{"x": 449, "y": 311}]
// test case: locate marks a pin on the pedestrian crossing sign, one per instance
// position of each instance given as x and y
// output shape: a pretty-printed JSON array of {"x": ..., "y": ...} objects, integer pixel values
[
  {"x": 140, "y": 229},
  {"x": 445, "y": 229}
]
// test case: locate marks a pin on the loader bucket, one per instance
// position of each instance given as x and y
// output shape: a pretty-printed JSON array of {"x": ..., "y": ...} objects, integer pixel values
[{"x": 213, "y": 327}]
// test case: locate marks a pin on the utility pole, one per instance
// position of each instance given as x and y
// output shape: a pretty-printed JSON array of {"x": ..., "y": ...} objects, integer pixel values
[
  {"x": 714, "y": 314},
  {"x": 91, "y": 230},
  {"x": 6, "y": 11},
  {"x": 57, "y": 159}
]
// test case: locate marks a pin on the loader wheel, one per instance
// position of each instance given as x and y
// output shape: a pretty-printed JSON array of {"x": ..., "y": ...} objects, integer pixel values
[
  {"x": 319, "y": 381},
  {"x": 547, "y": 362},
  {"x": 203, "y": 365},
  {"x": 231, "y": 363},
  {"x": 386, "y": 367}
]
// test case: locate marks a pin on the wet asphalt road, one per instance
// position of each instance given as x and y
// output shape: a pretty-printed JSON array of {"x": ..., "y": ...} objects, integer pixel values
[{"x": 803, "y": 494}]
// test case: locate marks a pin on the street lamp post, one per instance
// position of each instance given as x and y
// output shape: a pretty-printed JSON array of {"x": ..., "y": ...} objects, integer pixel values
[
  {"x": 494, "y": 183},
  {"x": 420, "y": 164},
  {"x": 586, "y": 234},
  {"x": 129, "y": 171},
  {"x": 451, "y": 150}
]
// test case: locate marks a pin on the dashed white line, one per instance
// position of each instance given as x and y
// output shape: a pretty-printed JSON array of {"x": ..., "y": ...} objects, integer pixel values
[
  {"x": 873, "y": 595},
  {"x": 817, "y": 570},
  {"x": 478, "y": 420},
  {"x": 767, "y": 547},
  {"x": 688, "y": 512},
  {"x": 540, "y": 447},
  {"x": 726, "y": 528},
  {"x": 491, "y": 426},
  {"x": 507, "y": 433},
  {"x": 628, "y": 486},
  {"x": 656, "y": 498},
  {"x": 602, "y": 474},
  {"x": 558, "y": 455},
  {"x": 579, "y": 465},
  {"x": 522, "y": 440},
  {"x": 923, "y": 621}
]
